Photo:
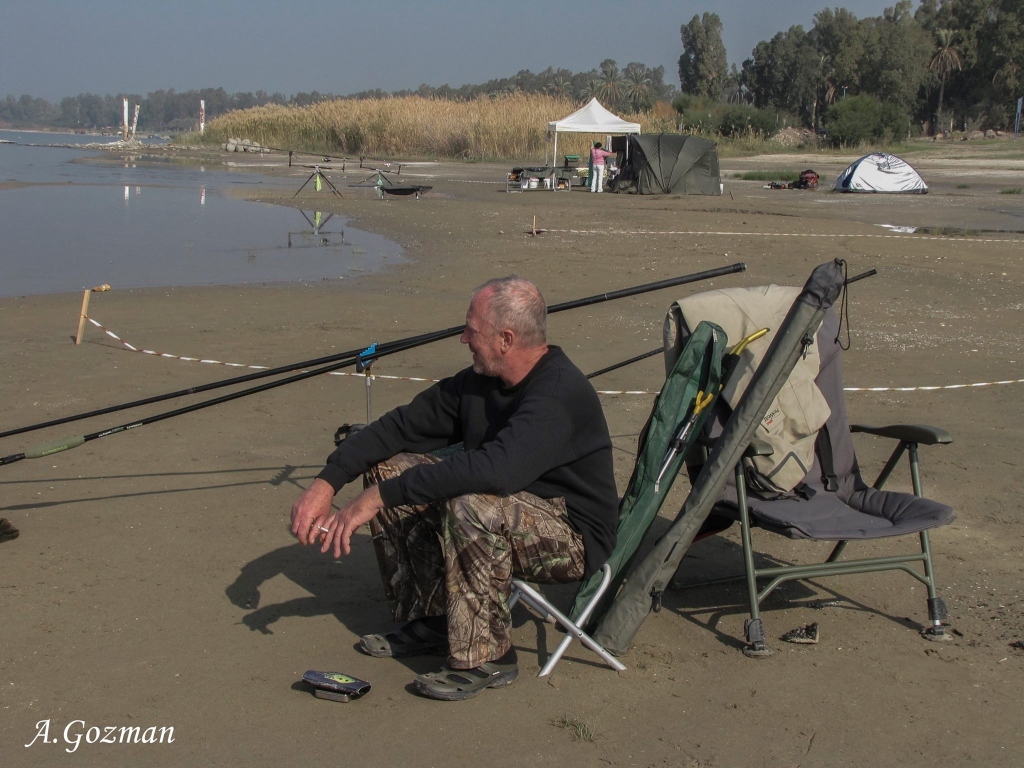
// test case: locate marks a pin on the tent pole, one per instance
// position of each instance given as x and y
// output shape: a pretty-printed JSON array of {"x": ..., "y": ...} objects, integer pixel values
[{"x": 554, "y": 150}]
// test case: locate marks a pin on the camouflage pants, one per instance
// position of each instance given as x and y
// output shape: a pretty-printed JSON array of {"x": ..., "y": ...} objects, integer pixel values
[{"x": 457, "y": 557}]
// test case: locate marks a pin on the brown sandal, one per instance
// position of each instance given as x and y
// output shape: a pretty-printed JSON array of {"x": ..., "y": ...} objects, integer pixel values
[
  {"x": 7, "y": 531},
  {"x": 413, "y": 639},
  {"x": 458, "y": 684}
]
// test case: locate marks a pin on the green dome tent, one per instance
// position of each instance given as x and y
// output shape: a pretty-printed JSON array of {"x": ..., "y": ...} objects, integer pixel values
[{"x": 669, "y": 163}]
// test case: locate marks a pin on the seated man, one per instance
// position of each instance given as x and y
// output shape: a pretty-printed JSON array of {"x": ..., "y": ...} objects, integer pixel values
[{"x": 531, "y": 496}]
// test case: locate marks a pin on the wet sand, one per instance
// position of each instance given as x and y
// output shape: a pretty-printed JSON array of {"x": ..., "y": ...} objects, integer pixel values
[{"x": 155, "y": 582}]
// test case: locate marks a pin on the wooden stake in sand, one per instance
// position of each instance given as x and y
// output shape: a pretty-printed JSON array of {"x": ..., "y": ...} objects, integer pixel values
[{"x": 85, "y": 309}]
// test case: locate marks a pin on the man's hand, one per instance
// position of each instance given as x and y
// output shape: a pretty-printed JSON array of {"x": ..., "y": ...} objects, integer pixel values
[
  {"x": 357, "y": 512},
  {"x": 310, "y": 510}
]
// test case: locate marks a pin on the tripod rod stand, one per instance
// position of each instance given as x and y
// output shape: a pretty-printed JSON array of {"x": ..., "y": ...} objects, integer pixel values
[{"x": 318, "y": 175}]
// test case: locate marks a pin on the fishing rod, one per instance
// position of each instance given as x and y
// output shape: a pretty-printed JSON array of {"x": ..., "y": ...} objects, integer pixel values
[
  {"x": 324, "y": 157},
  {"x": 624, "y": 363},
  {"x": 65, "y": 444},
  {"x": 374, "y": 351},
  {"x": 341, "y": 360},
  {"x": 659, "y": 350},
  {"x": 422, "y": 338},
  {"x": 861, "y": 276},
  {"x": 399, "y": 345}
]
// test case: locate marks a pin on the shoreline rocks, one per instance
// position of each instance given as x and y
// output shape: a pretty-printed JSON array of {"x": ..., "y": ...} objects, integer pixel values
[{"x": 243, "y": 145}]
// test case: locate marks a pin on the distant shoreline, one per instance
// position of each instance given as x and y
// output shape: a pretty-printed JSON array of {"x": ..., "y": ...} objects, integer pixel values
[{"x": 51, "y": 130}]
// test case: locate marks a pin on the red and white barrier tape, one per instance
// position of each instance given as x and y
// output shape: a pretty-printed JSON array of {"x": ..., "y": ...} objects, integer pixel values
[
  {"x": 932, "y": 389},
  {"x": 117, "y": 338},
  {"x": 168, "y": 356}
]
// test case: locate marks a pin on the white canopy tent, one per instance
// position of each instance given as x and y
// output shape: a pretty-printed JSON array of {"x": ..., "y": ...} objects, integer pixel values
[{"x": 592, "y": 118}]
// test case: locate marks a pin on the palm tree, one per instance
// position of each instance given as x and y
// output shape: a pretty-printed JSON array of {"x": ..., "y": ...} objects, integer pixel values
[
  {"x": 610, "y": 84},
  {"x": 560, "y": 86},
  {"x": 638, "y": 87},
  {"x": 591, "y": 88},
  {"x": 946, "y": 59}
]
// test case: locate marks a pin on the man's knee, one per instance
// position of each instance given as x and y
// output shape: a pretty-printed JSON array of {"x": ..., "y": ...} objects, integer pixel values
[{"x": 472, "y": 515}]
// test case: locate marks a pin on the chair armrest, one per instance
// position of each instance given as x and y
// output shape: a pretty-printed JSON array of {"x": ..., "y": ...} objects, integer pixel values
[
  {"x": 911, "y": 433},
  {"x": 757, "y": 448}
]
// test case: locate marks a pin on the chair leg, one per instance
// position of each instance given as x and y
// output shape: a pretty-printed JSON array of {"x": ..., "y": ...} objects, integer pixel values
[
  {"x": 753, "y": 628},
  {"x": 836, "y": 552},
  {"x": 581, "y": 621},
  {"x": 572, "y": 629},
  {"x": 936, "y": 605}
]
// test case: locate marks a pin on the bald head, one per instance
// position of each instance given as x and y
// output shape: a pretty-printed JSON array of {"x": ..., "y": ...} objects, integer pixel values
[{"x": 516, "y": 304}]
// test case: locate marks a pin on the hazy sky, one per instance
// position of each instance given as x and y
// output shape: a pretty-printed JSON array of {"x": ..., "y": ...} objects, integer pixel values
[{"x": 57, "y": 48}]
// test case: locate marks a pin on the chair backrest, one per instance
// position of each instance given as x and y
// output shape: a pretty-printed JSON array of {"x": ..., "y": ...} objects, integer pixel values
[
  {"x": 697, "y": 369},
  {"x": 843, "y": 460},
  {"x": 821, "y": 505}
]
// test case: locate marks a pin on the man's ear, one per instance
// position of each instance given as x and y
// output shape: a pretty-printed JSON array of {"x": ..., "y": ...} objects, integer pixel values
[{"x": 508, "y": 338}]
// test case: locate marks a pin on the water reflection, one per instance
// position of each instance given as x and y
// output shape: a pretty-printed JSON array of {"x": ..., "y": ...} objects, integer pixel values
[
  {"x": 316, "y": 236},
  {"x": 141, "y": 225}
]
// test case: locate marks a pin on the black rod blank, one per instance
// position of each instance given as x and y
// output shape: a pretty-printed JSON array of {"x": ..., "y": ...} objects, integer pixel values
[
  {"x": 382, "y": 349},
  {"x": 624, "y": 363},
  {"x": 340, "y": 360}
]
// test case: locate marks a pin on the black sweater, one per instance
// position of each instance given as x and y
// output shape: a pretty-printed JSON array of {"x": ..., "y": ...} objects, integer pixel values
[{"x": 546, "y": 435}]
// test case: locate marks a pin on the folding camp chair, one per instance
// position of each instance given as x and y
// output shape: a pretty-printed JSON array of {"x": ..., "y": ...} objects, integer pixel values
[
  {"x": 834, "y": 504},
  {"x": 672, "y": 429}
]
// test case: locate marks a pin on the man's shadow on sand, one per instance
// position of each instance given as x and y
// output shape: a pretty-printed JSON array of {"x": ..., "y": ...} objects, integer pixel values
[{"x": 350, "y": 589}]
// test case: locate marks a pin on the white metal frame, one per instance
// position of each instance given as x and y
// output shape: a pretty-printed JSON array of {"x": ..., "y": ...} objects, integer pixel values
[{"x": 523, "y": 591}]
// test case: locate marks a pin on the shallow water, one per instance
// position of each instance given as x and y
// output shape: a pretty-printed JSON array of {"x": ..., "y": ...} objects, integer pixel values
[{"x": 137, "y": 224}]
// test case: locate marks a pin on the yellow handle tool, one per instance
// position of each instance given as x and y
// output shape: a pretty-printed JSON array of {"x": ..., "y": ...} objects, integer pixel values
[{"x": 702, "y": 401}]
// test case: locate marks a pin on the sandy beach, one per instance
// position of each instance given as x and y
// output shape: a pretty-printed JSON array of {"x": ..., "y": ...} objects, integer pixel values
[{"x": 155, "y": 582}]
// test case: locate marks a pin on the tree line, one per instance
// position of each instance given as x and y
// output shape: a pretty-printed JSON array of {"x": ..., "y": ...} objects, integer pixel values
[
  {"x": 158, "y": 111},
  {"x": 633, "y": 88},
  {"x": 636, "y": 87},
  {"x": 949, "y": 64}
]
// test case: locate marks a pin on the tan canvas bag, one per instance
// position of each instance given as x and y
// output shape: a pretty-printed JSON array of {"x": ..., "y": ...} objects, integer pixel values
[{"x": 799, "y": 410}]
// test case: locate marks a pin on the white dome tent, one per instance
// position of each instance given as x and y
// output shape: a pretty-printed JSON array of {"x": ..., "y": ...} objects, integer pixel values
[{"x": 880, "y": 172}]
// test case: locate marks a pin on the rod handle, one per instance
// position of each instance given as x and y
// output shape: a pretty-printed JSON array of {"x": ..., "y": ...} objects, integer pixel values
[{"x": 55, "y": 447}]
